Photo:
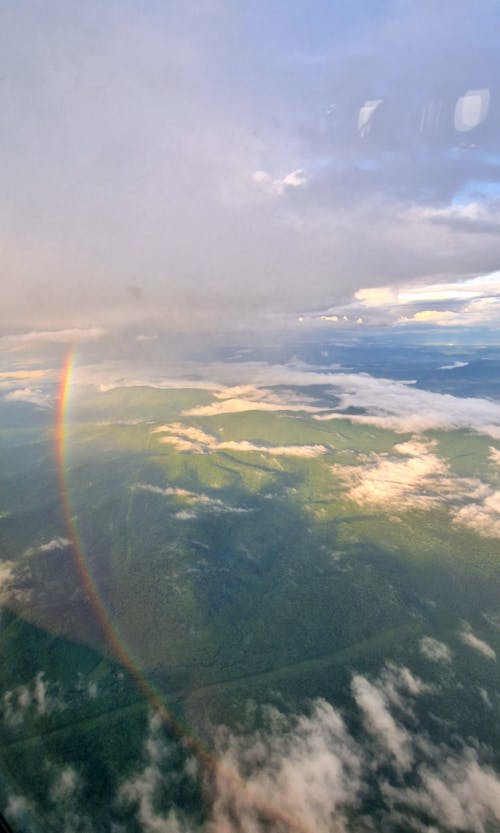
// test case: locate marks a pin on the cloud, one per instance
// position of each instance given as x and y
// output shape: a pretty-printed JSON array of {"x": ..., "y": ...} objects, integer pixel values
[
  {"x": 189, "y": 438},
  {"x": 304, "y": 775},
  {"x": 402, "y": 407},
  {"x": 312, "y": 771},
  {"x": 74, "y": 335},
  {"x": 454, "y": 365},
  {"x": 415, "y": 481},
  {"x": 388, "y": 403},
  {"x": 414, "y": 477},
  {"x": 7, "y": 577},
  {"x": 237, "y": 405},
  {"x": 11, "y": 375},
  {"x": 232, "y": 111},
  {"x": 196, "y": 498},
  {"x": 58, "y": 543},
  {"x": 468, "y": 302},
  {"x": 379, "y": 721},
  {"x": 469, "y": 638},
  {"x": 308, "y": 773},
  {"x": 460, "y": 795},
  {"x": 482, "y": 517},
  {"x": 494, "y": 455},
  {"x": 434, "y": 650},
  {"x": 277, "y": 187},
  {"x": 142, "y": 790},
  {"x": 33, "y": 396},
  {"x": 37, "y": 698}
]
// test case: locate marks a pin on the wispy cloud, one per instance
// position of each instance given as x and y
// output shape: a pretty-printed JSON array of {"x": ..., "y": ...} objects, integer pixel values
[
  {"x": 39, "y": 337},
  {"x": 469, "y": 638},
  {"x": 190, "y": 438},
  {"x": 196, "y": 498},
  {"x": 58, "y": 543}
]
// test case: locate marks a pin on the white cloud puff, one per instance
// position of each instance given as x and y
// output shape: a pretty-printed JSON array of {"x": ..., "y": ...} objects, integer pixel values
[
  {"x": 32, "y": 395},
  {"x": 413, "y": 478},
  {"x": 469, "y": 638},
  {"x": 58, "y": 543},
  {"x": 434, "y": 650},
  {"x": 482, "y": 517}
]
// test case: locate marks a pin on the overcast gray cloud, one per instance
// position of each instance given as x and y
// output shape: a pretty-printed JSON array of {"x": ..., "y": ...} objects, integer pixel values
[{"x": 206, "y": 163}]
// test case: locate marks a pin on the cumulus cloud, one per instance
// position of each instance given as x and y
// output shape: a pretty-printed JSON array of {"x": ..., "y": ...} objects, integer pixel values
[
  {"x": 413, "y": 479},
  {"x": 483, "y": 517},
  {"x": 469, "y": 638},
  {"x": 190, "y": 438},
  {"x": 304, "y": 775},
  {"x": 307, "y": 772},
  {"x": 304, "y": 772},
  {"x": 413, "y": 476},
  {"x": 434, "y": 650}
]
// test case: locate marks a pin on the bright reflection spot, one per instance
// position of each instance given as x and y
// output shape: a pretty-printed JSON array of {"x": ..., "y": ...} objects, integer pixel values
[
  {"x": 471, "y": 109},
  {"x": 366, "y": 114}
]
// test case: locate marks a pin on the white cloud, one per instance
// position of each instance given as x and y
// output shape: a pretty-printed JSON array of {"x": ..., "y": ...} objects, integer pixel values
[
  {"x": 239, "y": 405},
  {"x": 58, "y": 543},
  {"x": 400, "y": 406},
  {"x": 406, "y": 294},
  {"x": 460, "y": 794},
  {"x": 143, "y": 788},
  {"x": 190, "y": 438},
  {"x": 482, "y": 517},
  {"x": 434, "y": 650},
  {"x": 37, "y": 697},
  {"x": 32, "y": 395},
  {"x": 302, "y": 775},
  {"x": 379, "y": 721},
  {"x": 494, "y": 455},
  {"x": 469, "y": 638},
  {"x": 277, "y": 187},
  {"x": 415, "y": 481}
]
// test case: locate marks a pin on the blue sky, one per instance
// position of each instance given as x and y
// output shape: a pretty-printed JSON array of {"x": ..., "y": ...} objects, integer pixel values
[{"x": 211, "y": 165}]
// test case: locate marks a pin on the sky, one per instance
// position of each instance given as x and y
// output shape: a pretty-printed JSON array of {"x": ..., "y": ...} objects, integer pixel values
[{"x": 211, "y": 165}]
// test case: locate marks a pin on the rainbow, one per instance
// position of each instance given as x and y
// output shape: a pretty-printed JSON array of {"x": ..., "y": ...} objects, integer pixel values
[{"x": 211, "y": 765}]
